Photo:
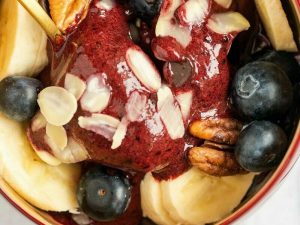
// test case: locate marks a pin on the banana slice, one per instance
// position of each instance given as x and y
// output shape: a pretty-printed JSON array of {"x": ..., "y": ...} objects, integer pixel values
[
  {"x": 22, "y": 41},
  {"x": 46, "y": 187},
  {"x": 276, "y": 24},
  {"x": 194, "y": 198},
  {"x": 151, "y": 203}
]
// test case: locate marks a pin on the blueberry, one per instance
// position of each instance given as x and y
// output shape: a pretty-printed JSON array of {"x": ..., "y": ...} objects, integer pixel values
[
  {"x": 260, "y": 146},
  {"x": 18, "y": 98},
  {"x": 103, "y": 196},
  {"x": 285, "y": 60},
  {"x": 146, "y": 9},
  {"x": 261, "y": 90}
]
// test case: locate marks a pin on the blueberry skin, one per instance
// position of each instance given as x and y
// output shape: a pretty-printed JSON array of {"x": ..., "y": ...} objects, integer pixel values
[
  {"x": 146, "y": 9},
  {"x": 285, "y": 60},
  {"x": 261, "y": 146},
  {"x": 261, "y": 90},
  {"x": 18, "y": 98},
  {"x": 103, "y": 196}
]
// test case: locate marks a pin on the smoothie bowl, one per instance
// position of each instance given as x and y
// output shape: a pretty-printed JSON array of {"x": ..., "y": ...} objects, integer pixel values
[{"x": 141, "y": 112}]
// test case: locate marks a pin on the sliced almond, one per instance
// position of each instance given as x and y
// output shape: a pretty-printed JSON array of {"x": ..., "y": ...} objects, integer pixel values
[
  {"x": 97, "y": 95},
  {"x": 106, "y": 4},
  {"x": 48, "y": 158},
  {"x": 170, "y": 113},
  {"x": 166, "y": 25},
  {"x": 135, "y": 105},
  {"x": 58, "y": 135},
  {"x": 120, "y": 133},
  {"x": 143, "y": 68},
  {"x": 194, "y": 11},
  {"x": 185, "y": 100},
  {"x": 224, "y": 3},
  {"x": 38, "y": 122},
  {"x": 57, "y": 105},
  {"x": 276, "y": 24},
  {"x": 73, "y": 153},
  {"x": 228, "y": 22},
  {"x": 68, "y": 13},
  {"x": 101, "y": 124},
  {"x": 74, "y": 85}
]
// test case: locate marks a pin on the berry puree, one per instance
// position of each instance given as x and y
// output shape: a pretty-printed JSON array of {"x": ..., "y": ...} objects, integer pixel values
[
  {"x": 152, "y": 111},
  {"x": 133, "y": 115}
]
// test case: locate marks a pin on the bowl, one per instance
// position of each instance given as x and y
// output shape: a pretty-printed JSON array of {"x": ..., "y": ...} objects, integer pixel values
[{"x": 263, "y": 185}]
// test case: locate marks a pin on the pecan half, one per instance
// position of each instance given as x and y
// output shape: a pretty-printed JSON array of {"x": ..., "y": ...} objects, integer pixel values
[
  {"x": 215, "y": 162},
  {"x": 221, "y": 130},
  {"x": 68, "y": 13}
]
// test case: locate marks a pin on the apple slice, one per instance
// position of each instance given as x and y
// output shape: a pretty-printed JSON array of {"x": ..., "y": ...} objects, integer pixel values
[{"x": 276, "y": 25}]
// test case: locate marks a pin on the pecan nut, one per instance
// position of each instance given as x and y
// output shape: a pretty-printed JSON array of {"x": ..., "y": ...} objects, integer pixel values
[
  {"x": 221, "y": 130},
  {"x": 215, "y": 162},
  {"x": 68, "y": 13}
]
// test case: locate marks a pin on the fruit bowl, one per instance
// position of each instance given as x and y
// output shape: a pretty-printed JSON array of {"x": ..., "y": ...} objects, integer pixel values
[{"x": 263, "y": 184}]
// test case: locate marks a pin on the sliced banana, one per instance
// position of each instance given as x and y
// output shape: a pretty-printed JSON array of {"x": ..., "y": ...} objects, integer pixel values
[
  {"x": 152, "y": 204},
  {"x": 276, "y": 24},
  {"x": 44, "y": 186},
  {"x": 194, "y": 198},
  {"x": 22, "y": 41}
]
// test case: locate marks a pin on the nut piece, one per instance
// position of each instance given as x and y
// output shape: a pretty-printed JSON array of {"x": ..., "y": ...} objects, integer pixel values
[
  {"x": 214, "y": 162},
  {"x": 58, "y": 135},
  {"x": 225, "y": 23},
  {"x": 38, "y": 122},
  {"x": 224, "y": 131},
  {"x": 224, "y": 3},
  {"x": 57, "y": 105},
  {"x": 68, "y": 13},
  {"x": 74, "y": 85}
]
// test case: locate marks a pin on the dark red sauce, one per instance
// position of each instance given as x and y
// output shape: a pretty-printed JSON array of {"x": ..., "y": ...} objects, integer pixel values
[{"x": 98, "y": 48}]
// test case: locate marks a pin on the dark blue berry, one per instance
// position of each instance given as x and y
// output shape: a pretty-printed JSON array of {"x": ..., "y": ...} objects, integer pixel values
[
  {"x": 146, "y": 9},
  {"x": 103, "y": 196},
  {"x": 261, "y": 146},
  {"x": 18, "y": 98},
  {"x": 261, "y": 90}
]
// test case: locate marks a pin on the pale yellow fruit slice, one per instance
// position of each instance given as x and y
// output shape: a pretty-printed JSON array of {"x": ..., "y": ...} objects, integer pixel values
[
  {"x": 194, "y": 198},
  {"x": 46, "y": 187},
  {"x": 276, "y": 24},
  {"x": 22, "y": 41},
  {"x": 152, "y": 201}
]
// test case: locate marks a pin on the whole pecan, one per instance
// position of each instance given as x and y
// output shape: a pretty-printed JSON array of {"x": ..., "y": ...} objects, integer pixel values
[
  {"x": 214, "y": 162},
  {"x": 221, "y": 130}
]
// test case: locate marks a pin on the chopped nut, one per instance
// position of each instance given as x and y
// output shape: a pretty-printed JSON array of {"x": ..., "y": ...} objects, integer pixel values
[
  {"x": 38, "y": 122},
  {"x": 210, "y": 144},
  {"x": 58, "y": 135},
  {"x": 74, "y": 85},
  {"x": 224, "y": 131},
  {"x": 57, "y": 105},
  {"x": 214, "y": 162},
  {"x": 228, "y": 22},
  {"x": 68, "y": 13}
]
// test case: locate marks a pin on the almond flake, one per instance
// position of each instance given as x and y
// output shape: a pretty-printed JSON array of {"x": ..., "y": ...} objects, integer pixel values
[
  {"x": 101, "y": 124},
  {"x": 74, "y": 85},
  {"x": 57, "y": 105},
  {"x": 170, "y": 113},
  {"x": 195, "y": 11},
  {"x": 224, "y": 3},
  {"x": 167, "y": 27},
  {"x": 58, "y": 135},
  {"x": 38, "y": 122},
  {"x": 225, "y": 23},
  {"x": 120, "y": 133},
  {"x": 143, "y": 68},
  {"x": 135, "y": 105},
  {"x": 97, "y": 95},
  {"x": 48, "y": 158},
  {"x": 185, "y": 100}
]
